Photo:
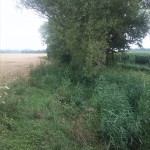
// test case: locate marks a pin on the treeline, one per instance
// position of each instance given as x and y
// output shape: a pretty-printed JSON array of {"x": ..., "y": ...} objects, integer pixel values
[
  {"x": 140, "y": 49},
  {"x": 78, "y": 102},
  {"x": 23, "y": 51},
  {"x": 85, "y": 34}
]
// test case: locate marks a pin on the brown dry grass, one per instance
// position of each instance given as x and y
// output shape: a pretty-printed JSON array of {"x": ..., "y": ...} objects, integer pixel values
[{"x": 14, "y": 66}]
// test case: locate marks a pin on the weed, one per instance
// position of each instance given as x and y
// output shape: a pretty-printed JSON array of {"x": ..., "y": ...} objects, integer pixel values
[{"x": 54, "y": 110}]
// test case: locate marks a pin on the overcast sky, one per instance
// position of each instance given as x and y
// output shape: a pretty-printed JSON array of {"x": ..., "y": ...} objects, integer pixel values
[{"x": 19, "y": 29}]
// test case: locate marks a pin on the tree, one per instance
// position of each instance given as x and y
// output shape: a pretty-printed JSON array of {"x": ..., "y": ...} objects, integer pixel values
[
  {"x": 85, "y": 33},
  {"x": 145, "y": 4}
]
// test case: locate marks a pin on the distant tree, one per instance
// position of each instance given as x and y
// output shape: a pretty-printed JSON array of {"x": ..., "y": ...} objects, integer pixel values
[
  {"x": 145, "y": 3},
  {"x": 85, "y": 33}
]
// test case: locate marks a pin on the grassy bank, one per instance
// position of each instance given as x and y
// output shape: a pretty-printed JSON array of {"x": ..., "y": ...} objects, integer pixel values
[{"x": 52, "y": 111}]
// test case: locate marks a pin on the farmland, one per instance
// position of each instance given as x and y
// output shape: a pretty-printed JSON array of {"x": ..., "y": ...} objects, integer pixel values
[{"x": 14, "y": 66}]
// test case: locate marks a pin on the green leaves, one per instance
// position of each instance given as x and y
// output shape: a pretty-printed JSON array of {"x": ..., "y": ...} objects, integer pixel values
[{"x": 89, "y": 30}]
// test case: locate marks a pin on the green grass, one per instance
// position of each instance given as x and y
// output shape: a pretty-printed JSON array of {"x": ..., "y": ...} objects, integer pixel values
[
  {"x": 137, "y": 61},
  {"x": 52, "y": 111},
  {"x": 122, "y": 99},
  {"x": 134, "y": 57}
]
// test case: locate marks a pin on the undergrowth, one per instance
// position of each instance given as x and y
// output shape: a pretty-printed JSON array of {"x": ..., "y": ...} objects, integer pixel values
[
  {"x": 134, "y": 57},
  {"x": 55, "y": 110}
]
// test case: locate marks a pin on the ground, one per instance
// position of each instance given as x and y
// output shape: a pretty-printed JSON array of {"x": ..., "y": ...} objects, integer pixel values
[{"x": 14, "y": 66}]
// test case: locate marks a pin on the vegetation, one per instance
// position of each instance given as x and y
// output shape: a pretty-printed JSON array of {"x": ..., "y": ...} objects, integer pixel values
[
  {"x": 80, "y": 101},
  {"x": 110, "y": 110},
  {"x": 85, "y": 33},
  {"x": 134, "y": 58},
  {"x": 141, "y": 49}
]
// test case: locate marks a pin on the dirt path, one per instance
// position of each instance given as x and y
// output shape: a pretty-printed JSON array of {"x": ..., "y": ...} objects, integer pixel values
[{"x": 14, "y": 66}]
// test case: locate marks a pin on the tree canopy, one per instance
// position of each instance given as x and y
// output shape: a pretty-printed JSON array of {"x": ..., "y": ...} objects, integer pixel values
[{"x": 84, "y": 33}]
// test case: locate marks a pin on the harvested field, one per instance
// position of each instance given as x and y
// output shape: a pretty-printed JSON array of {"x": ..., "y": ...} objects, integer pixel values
[{"x": 14, "y": 66}]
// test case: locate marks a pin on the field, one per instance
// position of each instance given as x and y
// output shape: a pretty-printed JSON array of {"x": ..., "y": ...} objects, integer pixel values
[{"x": 14, "y": 66}]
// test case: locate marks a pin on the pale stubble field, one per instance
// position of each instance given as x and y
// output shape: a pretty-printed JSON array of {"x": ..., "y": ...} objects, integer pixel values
[{"x": 15, "y": 66}]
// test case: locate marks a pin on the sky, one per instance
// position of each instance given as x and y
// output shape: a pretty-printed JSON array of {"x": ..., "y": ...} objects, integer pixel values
[{"x": 19, "y": 28}]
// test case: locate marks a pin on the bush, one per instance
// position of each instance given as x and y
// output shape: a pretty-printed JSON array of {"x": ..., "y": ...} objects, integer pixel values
[
  {"x": 136, "y": 58},
  {"x": 55, "y": 110},
  {"x": 121, "y": 100},
  {"x": 136, "y": 67}
]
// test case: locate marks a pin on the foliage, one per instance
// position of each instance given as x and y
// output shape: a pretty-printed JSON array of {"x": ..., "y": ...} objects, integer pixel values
[
  {"x": 83, "y": 33},
  {"x": 134, "y": 58},
  {"x": 72, "y": 104},
  {"x": 43, "y": 114},
  {"x": 52, "y": 111},
  {"x": 118, "y": 98},
  {"x": 135, "y": 67}
]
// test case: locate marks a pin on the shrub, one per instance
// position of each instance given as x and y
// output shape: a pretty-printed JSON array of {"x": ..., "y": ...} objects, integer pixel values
[
  {"x": 116, "y": 118},
  {"x": 122, "y": 105},
  {"x": 137, "y": 58},
  {"x": 109, "y": 110}
]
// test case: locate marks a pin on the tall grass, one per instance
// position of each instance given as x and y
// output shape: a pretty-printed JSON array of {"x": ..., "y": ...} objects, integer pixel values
[
  {"x": 122, "y": 102},
  {"x": 54, "y": 110},
  {"x": 136, "y": 58}
]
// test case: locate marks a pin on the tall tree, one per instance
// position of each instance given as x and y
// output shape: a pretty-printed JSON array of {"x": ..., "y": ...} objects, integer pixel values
[{"x": 84, "y": 33}]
